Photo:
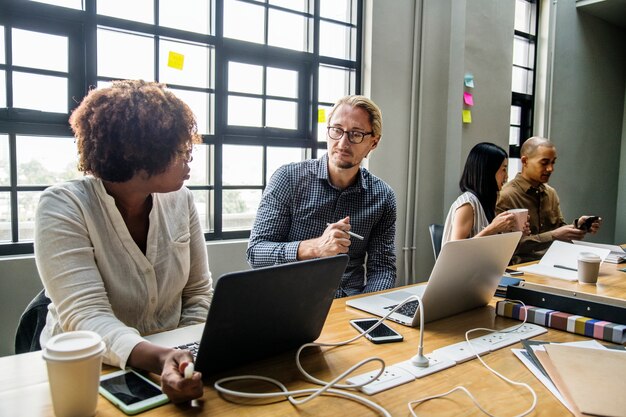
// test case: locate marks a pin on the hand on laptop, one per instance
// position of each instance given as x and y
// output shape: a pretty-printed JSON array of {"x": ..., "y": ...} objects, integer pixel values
[
  {"x": 173, "y": 381},
  {"x": 333, "y": 241}
]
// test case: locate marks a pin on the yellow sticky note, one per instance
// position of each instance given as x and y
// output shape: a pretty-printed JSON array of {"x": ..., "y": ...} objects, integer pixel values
[
  {"x": 321, "y": 116},
  {"x": 175, "y": 60},
  {"x": 467, "y": 116}
]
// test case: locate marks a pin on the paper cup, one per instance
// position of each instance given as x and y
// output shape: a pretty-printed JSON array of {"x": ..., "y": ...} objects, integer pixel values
[
  {"x": 74, "y": 361},
  {"x": 521, "y": 216},
  {"x": 588, "y": 267}
]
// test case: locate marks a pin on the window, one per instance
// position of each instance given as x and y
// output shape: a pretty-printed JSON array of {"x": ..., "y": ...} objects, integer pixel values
[
  {"x": 523, "y": 80},
  {"x": 259, "y": 90}
]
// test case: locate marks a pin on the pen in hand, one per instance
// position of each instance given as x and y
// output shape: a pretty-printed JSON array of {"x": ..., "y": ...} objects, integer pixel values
[{"x": 351, "y": 233}]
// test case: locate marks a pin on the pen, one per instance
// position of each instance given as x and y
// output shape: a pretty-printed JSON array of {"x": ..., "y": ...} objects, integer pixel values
[
  {"x": 351, "y": 234},
  {"x": 565, "y": 267}
]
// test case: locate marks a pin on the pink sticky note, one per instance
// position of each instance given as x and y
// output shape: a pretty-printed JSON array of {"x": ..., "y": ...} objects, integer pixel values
[{"x": 468, "y": 99}]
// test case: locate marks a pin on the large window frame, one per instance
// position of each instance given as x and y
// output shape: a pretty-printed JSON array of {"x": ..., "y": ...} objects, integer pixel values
[{"x": 81, "y": 28}]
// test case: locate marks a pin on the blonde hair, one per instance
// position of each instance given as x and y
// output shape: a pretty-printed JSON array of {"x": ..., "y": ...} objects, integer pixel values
[{"x": 376, "y": 116}]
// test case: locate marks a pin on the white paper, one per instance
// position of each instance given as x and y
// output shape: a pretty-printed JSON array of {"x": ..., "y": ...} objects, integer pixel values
[{"x": 566, "y": 255}]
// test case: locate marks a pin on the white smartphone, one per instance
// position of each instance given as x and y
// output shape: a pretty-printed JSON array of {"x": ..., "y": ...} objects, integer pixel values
[
  {"x": 131, "y": 392},
  {"x": 381, "y": 334}
]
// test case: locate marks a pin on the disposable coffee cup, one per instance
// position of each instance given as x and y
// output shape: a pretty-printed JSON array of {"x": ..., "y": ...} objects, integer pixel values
[
  {"x": 74, "y": 361},
  {"x": 521, "y": 217},
  {"x": 588, "y": 267}
]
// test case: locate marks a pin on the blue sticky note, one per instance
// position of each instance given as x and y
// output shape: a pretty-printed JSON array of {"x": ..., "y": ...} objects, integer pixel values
[{"x": 469, "y": 80}]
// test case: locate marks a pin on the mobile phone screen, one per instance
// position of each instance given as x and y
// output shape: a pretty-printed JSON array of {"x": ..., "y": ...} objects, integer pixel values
[
  {"x": 130, "y": 388},
  {"x": 381, "y": 331}
]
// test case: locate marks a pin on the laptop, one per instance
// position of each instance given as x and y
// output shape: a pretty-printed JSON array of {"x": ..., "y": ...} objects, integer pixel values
[
  {"x": 261, "y": 312},
  {"x": 465, "y": 276}
]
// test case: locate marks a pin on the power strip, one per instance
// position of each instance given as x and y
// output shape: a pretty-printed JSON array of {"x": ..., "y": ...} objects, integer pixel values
[{"x": 444, "y": 358}]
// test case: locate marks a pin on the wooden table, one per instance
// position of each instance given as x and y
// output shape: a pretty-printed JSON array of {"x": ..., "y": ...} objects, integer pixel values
[{"x": 24, "y": 387}]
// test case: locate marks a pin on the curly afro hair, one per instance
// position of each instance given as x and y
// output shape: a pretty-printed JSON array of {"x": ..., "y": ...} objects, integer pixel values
[{"x": 131, "y": 126}]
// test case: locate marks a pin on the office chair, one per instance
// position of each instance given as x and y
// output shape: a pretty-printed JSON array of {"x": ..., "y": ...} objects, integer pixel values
[
  {"x": 31, "y": 324},
  {"x": 436, "y": 234}
]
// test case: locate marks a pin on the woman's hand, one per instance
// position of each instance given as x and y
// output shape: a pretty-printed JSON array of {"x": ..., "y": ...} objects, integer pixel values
[
  {"x": 502, "y": 223},
  {"x": 173, "y": 381}
]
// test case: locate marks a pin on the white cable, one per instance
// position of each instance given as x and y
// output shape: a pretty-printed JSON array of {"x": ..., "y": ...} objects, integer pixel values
[
  {"x": 332, "y": 387},
  {"x": 411, "y": 404}
]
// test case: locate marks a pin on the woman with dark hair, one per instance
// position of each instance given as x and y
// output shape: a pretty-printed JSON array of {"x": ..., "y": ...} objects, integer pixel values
[
  {"x": 121, "y": 251},
  {"x": 473, "y": 212}
]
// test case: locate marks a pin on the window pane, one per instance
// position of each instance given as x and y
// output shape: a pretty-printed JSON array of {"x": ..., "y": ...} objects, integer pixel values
[
  {"x": 514, "y": 138},
  {"x": 137, "y": 10},
  {"x": 297, "y": 5},
  {"x": 282, "y": 114},
  {"x": 46, "y": 160},
  {"x": 201, "y": 165},
  {"x": 203, "y": 107},
  {"x": 5, "y": 169},
  {"x": 337, "y": 41},
  {"x": 26, "y": 207},
  {"x": 335, "y": 83},
  {"x": 239, "y": 208},
  {"x": 27, "y": 90},
  {"x": 242, "y": 165},
  {"x": 287, "y": 30},
  {"x": 186, "y": 64},
  {"x": 244, "y": 21},
  {"x": 322, "y": 122},
  {"x": 243, "y": 111},
  {"x": 190, "y": 15},
  {"x": 516, "y": 115},
  {"x": 282, "y": 83},
  {"x": 523, "y": 52},
  {"x": 338, "y": 10},
  {"x": 203, "y": 200},
  {"x": 524, "y": 16},
  {"x": 522, "y": 80},
  {"x": 72, "y": 4},
  {"x": 3, "y": 89},
  {"x": 245, "y": 78},
  {"x": 515, "y": 166},
  {"x": 134, "y": 61},
  {"x": 40, "y": 50},
  {"x": 5, "y": 217},
  {"x": 2, "y": 57},
  {"x": 277, "y": 157}
]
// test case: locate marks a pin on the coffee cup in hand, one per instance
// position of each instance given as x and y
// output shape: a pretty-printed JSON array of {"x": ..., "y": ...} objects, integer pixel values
[
  {"x": 74, "y": 361},
  {"x": 521, "y": 217},
  {"x": 588, "y": 267}
]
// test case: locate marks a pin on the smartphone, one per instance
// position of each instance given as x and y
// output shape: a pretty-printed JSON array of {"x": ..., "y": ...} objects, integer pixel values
[
  {"x": 586, "y": 226},
  {"x": 131, "y": 392},
  {"x": 381, "y": 334}
]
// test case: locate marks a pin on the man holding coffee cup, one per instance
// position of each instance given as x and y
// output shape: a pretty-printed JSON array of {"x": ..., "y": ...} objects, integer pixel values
[{"x": 529, "y": 189}]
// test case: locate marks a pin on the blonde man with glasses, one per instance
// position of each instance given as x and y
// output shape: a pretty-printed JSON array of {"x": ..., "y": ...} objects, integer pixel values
[{"x": 332, "y": 205}]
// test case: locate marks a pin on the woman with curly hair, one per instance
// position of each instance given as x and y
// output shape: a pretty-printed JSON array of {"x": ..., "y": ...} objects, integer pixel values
[
  {"x": 473, "y": 212},
  {"x": 121, "y": 251}
]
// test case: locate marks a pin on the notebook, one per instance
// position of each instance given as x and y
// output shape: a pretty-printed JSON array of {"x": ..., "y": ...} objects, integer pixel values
[
  {"x": 616, "y": 256},
  {"x": 465, "y": 276},
  {"x": 261, "y": 312}
]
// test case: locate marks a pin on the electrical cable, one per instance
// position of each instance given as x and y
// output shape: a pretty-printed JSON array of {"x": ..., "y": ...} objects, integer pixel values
[
  {"x": 331, "y": 387},
  {"x": 412, "y": 404}
]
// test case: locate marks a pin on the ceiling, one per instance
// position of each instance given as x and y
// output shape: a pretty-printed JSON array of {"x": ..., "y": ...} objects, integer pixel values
[{"x": 613, "y": 11}]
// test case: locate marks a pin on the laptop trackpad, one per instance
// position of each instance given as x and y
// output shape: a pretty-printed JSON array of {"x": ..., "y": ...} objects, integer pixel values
[{"x": 399, "y": 295}]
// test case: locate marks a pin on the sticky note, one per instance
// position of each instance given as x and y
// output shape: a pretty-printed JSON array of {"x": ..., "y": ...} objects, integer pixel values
[
  {"x": 467, "y": 116},
  {"x": 468, "y": 99},
  {"x": 321, "y": 116},
  {"x": 175, "y": 60},
  {"x": 469, "y": 80}
]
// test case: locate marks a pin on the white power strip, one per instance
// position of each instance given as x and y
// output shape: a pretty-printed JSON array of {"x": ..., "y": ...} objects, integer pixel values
[{"x": 444, "y": 358}]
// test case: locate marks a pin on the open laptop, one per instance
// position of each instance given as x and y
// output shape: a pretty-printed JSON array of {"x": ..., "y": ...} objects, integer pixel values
[
  {"x": 261, "y": 312},
  {"x": 465, "y": 276}
]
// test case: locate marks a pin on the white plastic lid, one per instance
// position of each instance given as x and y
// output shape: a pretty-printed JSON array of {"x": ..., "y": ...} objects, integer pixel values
[
  {"x": 589, "y": 257},
  {"x": 73, "y": 346}
]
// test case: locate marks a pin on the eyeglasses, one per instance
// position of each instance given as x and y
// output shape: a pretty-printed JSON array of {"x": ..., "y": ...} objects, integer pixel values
[{"x": 336, "y": 133}]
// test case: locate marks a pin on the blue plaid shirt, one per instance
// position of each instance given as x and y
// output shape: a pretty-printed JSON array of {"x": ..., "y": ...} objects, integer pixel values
[{"x": 298, "y": 203}]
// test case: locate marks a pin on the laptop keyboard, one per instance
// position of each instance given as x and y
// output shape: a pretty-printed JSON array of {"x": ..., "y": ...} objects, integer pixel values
[
  {"x": 407, "y": 309},
  {"x": 191, "y": 347}
]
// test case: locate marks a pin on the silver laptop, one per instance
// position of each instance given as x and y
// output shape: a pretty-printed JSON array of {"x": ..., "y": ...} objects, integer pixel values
[
  {"x": 261, "y": 312},
  {"x": 465, "y": 276}
]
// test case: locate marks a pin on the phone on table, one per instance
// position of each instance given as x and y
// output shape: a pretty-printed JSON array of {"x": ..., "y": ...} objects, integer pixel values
[
  {"x": 586, "y": 225},
  {"x": 513, "y": 272},
  {"x": 131, "y": 392},
  {"x": 381, "y": 334}
]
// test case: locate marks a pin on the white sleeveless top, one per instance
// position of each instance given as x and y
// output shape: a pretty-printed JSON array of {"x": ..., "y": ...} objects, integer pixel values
[{"x": 480, "y": 219}]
